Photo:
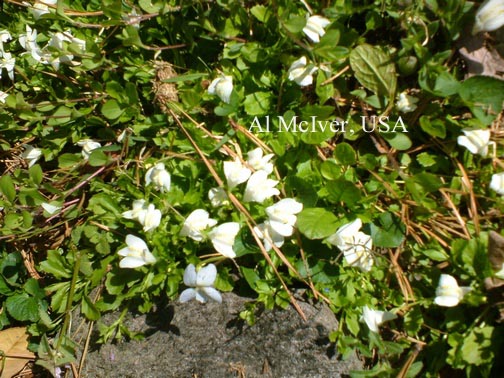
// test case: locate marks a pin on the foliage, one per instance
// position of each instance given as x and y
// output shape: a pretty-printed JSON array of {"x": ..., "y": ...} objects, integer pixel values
[{"x": 131, "y": 92}]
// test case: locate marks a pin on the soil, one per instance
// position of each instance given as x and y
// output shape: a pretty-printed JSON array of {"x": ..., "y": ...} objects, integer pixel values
[{"x": 209, "y": 340}]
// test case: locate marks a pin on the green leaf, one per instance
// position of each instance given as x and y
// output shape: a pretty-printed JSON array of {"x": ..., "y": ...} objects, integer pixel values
[
  {"x": 435, "y": 128},
  {"x": 36, "y": 174},
  {"x": 112, "y": 110},
  {"x": 56, "y": 265},
  {"x": 250, "y": 276},
  {"x": 435, "y": 254},
  {"x": 23, "y": 307},
  {"x": 477, "y": 346},
  {"x": 484, "y": 95},
  {"x": 68, "y": 160},
  {"x": 374, "y": 69},
  {"x": 7, "y": 188},
  {"x": 89, "y": 309},
  {"x": 387, "y": 231},
  {"x": 112, "y": 8},
  {"x": 4, "y": 288},
  {"x": 344, "y": 154},
  {"x": 260, "y": 12},
  {"x": 428, "y": 181},
  {"x": 341, "y": 190},
  {"x": 245, "y": 243},
  {"x": 257, "y": 103},
  {"x": 150, "y": 6},
  {"x": 317, "y": 223},
  {"x": 295, "y": 24},
  {"x": 98, "y": 158},
  {"x": 399, "y": 141},
  {"x": 60, "y": 116}
]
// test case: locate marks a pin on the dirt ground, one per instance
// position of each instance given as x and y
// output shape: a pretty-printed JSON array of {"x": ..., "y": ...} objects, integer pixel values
[{"x": 197, "y": 340}]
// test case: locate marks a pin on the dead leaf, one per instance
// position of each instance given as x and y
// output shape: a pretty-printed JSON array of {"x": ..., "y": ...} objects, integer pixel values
[
  {"x": 14, "y": 348},
  {"x": 482, "y": 56}
]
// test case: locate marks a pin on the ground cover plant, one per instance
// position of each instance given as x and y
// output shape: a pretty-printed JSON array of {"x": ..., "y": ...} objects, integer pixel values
[{"x": 154, "y": 150}]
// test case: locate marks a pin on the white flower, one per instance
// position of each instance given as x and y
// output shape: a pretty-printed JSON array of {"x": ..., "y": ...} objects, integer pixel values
[
  {"x": 138, "y": 206},
  {"x": 314, "y": 28},
  {"x": 489, "y": 17},
  {"x": 195, "y": 223},
  {"x": 259, "y": 162},
  {"x": 40, "y": 7},
  {"x": 235, "y": 173},
  {"x": 200, "y": 284},
  {"x": 150, "y": 218},
  {"x": 282, "y": 216},
  {"x": 476, "y": 141},
  {"x": 218, "y": 197},
  {"x": 222, "y": 87},
  {"x": 7, "y": 62},
  {"x": 406, "y": 103},
  {"x": 301, "y": 73},
  {"x": 5, "y": 36},
  {"x": 135, "y": 254},
  {"x": 355, "y": 245},
  {"x": 497, "y": 183},
  {"x": 32, "y": 154},
  {"x": 374, "y": 318},
  {"x": 51, "y": 208},
  {"x": 159, "y": 177},
  {"x": 260, "y": 187},
  {"x": 269, "y": 236},
  {"x": 29, "y": 42},
  {"x": 223, "y": 237},
  {"x": 88, "y": 145},
  {"x": 448, "y": 292},
  {"x": 147, "y": 215}
]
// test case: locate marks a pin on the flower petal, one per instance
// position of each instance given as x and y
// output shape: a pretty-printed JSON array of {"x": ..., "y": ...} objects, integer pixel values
[
  {"x": 131, "y": 262},
  {"x": 190, "y": 276},
  {"x": 211, "y": 293},
  {"x": 187, "y": 295},
  {"x": 206, "y": 276}
]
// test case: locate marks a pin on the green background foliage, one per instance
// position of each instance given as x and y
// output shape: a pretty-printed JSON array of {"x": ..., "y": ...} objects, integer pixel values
[{"x": 424, "y": 200}]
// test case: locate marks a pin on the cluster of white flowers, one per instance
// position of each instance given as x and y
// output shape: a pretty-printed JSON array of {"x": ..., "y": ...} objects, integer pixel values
[
  {"x": 7, "y": 62},
  {"x": 300, "y": 70},
  {"x": 280, "y": 223},
  {"x": 281, "y": 216},
  {"x": 355, "y": 245},
  {"x": 221, "y": 236},
  {"x": 478, "y": 142},
  {"x": 56, "y": 44},
  {"x": 259, "y": 187},
  {"x": 137, "y": 253},
  {"x": 146, "y": 214}
]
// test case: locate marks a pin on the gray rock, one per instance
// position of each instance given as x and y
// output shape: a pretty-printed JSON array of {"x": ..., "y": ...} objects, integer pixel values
[{"x": 197, "y": 340}]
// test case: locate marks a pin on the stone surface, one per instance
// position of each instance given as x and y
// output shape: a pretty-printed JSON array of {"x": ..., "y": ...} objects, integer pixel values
[{"x": 197, "y": 340}]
